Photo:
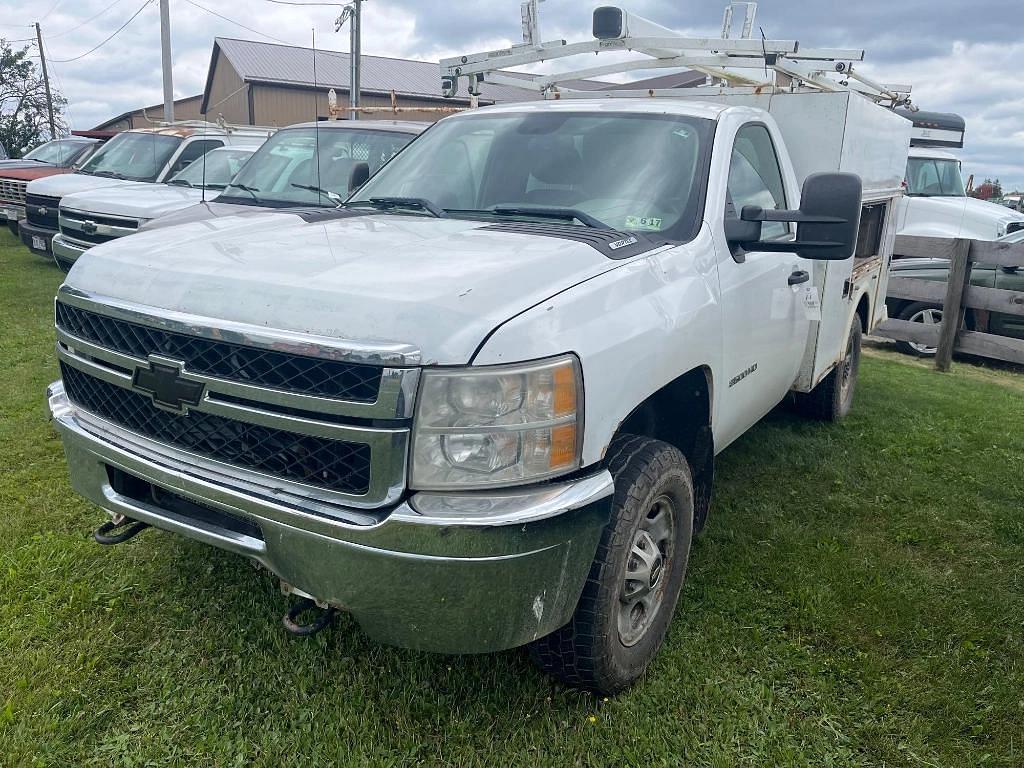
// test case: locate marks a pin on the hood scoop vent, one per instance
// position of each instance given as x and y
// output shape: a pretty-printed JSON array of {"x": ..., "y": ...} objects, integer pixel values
[{"x": 609, "y": 242}]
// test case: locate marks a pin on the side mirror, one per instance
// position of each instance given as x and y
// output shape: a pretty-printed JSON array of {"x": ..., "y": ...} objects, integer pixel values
[
  {"x": 827, "y": 222},
  {"x": 360, "y": 175}
]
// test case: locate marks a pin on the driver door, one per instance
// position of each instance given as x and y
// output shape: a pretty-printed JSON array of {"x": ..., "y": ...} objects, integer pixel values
[{"x": 765, "y": 323}]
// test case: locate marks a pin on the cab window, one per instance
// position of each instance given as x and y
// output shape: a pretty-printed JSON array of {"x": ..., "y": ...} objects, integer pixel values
[{"x": 755, "y": 178}]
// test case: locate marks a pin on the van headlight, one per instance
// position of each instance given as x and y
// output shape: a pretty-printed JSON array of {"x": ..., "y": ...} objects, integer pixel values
[
  {"x": 497, "y": 425},
  {"x": 1000, "y": 229}
]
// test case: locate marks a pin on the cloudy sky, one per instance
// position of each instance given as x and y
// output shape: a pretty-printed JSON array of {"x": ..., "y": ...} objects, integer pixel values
[{"x": 960, "y": 55}]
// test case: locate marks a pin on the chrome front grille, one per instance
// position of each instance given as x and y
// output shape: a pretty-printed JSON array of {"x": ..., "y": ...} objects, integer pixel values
[
  {"x": 332, "y": 464},
  {"x": 91, "y": 228},
  {"x": 12, "y": 191},
  {"x": 262, "y": 367},
  {"x": 240, "y": 404}
]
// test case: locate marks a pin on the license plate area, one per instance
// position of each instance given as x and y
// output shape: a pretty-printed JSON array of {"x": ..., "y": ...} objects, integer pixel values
[{"x": 39, "y": 243}]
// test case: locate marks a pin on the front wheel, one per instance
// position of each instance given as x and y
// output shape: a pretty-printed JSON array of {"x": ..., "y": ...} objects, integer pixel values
[
  {"x": 832, "y": 399},
  {"x": 635, "y": 579}
]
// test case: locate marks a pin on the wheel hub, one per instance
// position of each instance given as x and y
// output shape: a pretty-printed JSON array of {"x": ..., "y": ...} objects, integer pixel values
[{"x": 643, "y": 584}]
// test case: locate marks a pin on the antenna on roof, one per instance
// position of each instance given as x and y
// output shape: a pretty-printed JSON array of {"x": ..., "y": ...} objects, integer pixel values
[{"x": 316, "y": 120}]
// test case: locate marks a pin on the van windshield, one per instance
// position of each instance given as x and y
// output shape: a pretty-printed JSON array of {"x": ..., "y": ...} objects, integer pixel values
[
  {"x": 282, "y": 172},
  {"x": 934, "y": 177},
  {"x": 135, "y": 156},
  {"x": 633, "y": 172}
]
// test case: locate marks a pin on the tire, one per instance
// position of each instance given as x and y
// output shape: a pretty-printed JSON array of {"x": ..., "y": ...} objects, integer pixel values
[
  {"x": 619, "y": 624},
  {"x": 919, "y": 313},
  {"x": 832, "y": 399}
]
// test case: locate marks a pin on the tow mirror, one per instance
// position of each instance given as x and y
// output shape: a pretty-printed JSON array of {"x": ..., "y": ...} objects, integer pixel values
[
  {"x": 360, "y": 175},
  {"x": 827, "y": 222}
]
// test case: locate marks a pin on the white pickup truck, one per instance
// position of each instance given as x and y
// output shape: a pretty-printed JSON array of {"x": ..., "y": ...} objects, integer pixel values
[{"x": 478, "y": 406}]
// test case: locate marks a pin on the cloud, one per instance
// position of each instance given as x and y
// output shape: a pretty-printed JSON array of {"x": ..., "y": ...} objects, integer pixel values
[{"x": 959, "y": 57}]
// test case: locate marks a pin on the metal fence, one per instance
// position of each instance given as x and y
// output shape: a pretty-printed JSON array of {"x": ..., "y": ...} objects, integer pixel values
[{"x": 956, "y": 296}]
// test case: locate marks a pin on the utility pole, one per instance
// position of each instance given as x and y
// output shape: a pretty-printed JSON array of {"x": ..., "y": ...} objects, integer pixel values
[
  {"x": 165, "y": 57},
  {"x": 355, "y": 54},
  {"x": 46, "y": 82}
]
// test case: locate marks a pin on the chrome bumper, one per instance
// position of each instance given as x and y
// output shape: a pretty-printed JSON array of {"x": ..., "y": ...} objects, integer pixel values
[
  {"x": 452, "y": 573},
  {"x": 67, "y": 250}
]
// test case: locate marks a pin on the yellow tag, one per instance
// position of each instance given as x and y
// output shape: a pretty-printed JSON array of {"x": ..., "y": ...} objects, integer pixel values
[{"x": 643, "y": 222}]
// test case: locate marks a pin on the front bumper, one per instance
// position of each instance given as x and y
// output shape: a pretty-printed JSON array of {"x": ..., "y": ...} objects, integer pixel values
[
  {"x": 32, "y": 236},
  {"x": 66, "y": 252},
  {"x": 451, "y": 573}
]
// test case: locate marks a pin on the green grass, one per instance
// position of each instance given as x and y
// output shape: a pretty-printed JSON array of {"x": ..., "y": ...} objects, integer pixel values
[{"x": 857, "y": 599}]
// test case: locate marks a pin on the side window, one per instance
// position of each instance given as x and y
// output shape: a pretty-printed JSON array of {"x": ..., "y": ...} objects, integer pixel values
[
  {"x": 194, "y": 151},
  {"x": 755, "y": 177}
]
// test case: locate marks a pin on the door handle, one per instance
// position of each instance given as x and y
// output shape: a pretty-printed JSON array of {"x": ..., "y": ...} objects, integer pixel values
[{"x": 799, "y": 276}]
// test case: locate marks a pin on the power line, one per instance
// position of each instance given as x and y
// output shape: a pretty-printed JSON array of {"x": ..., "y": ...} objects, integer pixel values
[
  {"x": 112, "y": 36},
  {"x": 52, "y": 9},
  {"x": 87, "y": 21},
  {"x": 237, "y": 23}
]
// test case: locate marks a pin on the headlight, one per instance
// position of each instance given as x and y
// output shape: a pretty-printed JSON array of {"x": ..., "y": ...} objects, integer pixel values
[
  {"x": 498, "y": 425},
  {"x": 1000, "y": 229}
]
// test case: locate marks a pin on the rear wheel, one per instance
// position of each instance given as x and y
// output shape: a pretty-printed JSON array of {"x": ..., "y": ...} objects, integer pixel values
[
  {"x": 637, "y": 574},
  {"x": 928, "y": 314},
  {"x": 832, "y": 399}
]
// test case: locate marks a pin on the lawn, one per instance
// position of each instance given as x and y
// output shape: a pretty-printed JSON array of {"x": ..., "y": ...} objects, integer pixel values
[{"x": 856, "y": 599}]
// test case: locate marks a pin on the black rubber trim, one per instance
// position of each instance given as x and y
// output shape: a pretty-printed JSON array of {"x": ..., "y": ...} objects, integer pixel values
[
  {"x": 316, "y": 215},
  {"x": 608, "y": 242}
]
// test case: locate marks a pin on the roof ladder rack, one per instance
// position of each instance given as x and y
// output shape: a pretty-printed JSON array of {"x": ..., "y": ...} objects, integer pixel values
[{"x": 732, "y": 65}]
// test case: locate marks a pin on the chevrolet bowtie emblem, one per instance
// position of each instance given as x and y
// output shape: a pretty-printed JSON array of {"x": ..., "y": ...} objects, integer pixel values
[
  {"x": 42, "y": 210},
  {"x": 89, "y": 227},
  {"x": 166, "y": 386}
]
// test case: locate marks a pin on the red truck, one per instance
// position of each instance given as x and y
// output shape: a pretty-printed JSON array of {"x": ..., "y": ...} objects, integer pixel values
[{"x": 53, "y": 157}]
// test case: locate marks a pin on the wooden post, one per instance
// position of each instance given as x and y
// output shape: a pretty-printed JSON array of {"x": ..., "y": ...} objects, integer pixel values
[{"x": 953, "y": 307}]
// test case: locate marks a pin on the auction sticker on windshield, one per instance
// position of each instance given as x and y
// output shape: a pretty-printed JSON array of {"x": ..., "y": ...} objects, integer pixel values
[{"x": 643, "y": 222}]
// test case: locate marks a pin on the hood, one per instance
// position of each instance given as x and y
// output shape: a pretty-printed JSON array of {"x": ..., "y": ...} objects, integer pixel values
[
  {"x": 9, "y": 165},
  {"x": 136, "y": 200},
  {"x": 68, "y": 183},
  {"x": 30, "y": 172},
  {"x": 439, "y": 284},
  {"x": 955, "y": 217},
  {"x": 200, "y": 212}
]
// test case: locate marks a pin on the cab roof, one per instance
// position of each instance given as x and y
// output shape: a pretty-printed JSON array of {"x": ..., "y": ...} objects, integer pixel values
[{"x": 659, "y": 106}]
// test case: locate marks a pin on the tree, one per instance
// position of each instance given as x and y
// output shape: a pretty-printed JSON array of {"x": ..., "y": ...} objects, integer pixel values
[{"x": 24, "y": 121}]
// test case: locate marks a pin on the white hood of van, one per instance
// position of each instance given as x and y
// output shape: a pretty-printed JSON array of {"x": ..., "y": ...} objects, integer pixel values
[
  {"x": 954, "y": 217},
  {"x": 439, "y": 284}
]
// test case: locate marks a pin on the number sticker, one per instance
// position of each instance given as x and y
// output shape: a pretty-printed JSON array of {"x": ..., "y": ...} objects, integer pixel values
[{"x": 643, "y": 222}]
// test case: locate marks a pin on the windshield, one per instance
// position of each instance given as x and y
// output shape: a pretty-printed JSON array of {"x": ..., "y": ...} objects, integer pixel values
[
  {"x": 61, "y": 152},
  {"x": 213, "y": 170},
  {"x": 626, "y": 171},
  {"x": 136, "y": 156},
  {"x": 282, "y": 171},
  {"x": 934, "y": 177}
]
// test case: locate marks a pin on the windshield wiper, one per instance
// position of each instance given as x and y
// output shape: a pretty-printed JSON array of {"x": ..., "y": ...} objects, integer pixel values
[
  {"x": 391, "y": 203},
  {"x": 334, "y": 197},
  {"x": 181, "y": 182},
  {"x": 251, "y": 190},
  {"x": 544, "y": 212},
  {"x": 109, "y": 174}
]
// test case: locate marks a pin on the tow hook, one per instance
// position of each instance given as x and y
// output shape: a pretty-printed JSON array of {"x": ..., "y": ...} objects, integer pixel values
[
  {"x": 118, "y": 530},
  {"x": 322, "y": 620}
]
